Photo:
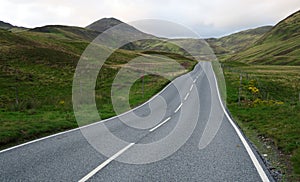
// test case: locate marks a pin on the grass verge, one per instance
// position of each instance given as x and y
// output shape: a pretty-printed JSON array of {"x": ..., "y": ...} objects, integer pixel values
[{"x": 268, "y": 112}]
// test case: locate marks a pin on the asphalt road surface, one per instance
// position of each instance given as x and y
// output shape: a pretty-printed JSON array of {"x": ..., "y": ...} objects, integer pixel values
[{"x": 204, "y": 143}]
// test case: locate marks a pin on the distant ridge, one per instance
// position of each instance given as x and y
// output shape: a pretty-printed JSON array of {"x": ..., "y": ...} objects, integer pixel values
[
  {"x": 68, "y": 31},
  {"x": 5, "y": 25},
  {"x": 8, "y": 26}
]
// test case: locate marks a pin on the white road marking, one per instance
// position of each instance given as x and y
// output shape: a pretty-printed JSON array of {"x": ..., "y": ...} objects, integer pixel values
[
  {"x": 105, "y": 163},
  {"x": 37, "y": 140},
  {"x": 187, "y": 95},
  {"x": 191, "y": 87},
  {"x": 195, "y": 80},
  {"x": 178, "y": 108},
  {"x": 257, "y": 165},
  {"x": 160, "y": 124}
]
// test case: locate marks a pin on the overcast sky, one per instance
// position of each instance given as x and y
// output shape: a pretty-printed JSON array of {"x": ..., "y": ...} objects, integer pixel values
[{"x": 209, "y": 18}]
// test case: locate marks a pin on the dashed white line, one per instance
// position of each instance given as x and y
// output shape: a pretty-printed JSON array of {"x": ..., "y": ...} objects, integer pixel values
[
  {"x": 191, "y": 87},
  {"x": 195, "y": 80},
  {"x": 178, "y": 108},
  {"x": 187, "y": 95},
  {"x": 160, "y": 124},
  {"x": 105, "y": 163}
]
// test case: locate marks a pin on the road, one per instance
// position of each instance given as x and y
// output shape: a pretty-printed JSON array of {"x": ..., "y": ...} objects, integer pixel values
[{"x": 210, "y": 149}]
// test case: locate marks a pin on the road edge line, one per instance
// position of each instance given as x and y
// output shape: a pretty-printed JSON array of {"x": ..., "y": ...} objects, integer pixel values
[
  {"x": 85, "y": 126},
  {"x": 257, "y": 165}
]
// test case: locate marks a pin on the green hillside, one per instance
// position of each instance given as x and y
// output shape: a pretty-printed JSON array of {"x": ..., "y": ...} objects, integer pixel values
[
  {"x": 279, "y": 46},
  {"x": 73, "y": 33},
  {"x": 36, "y": 76}
]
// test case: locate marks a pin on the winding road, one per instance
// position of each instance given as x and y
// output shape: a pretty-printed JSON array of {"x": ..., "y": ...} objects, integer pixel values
[{"x": 203, "y": 144}]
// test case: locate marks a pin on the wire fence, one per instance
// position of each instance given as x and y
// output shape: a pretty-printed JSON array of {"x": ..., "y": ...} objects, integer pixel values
[{"x": 268, "y": 87}]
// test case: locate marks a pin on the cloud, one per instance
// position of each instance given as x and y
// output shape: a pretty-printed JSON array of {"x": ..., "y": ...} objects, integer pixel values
[{"x": 208, "y": 18}]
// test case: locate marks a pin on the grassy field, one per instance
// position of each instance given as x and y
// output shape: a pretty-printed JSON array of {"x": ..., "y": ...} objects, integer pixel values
[{"x": 269, "y": 111}]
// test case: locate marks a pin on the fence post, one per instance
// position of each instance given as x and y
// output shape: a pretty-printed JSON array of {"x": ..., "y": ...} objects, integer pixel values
[{"x": 240, "y": 89}]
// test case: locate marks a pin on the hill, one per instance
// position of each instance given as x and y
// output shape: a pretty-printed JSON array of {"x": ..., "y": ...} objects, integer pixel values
[{"x": 279, "y": 46}]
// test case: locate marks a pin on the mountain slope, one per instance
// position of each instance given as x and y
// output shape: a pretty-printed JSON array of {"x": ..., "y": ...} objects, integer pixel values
[
  {"x": 238, "y": 41},
  {"x": 284, "y": 30},
  {"x": 104, "y": 24},
  {"x": 279, "y": 46}
]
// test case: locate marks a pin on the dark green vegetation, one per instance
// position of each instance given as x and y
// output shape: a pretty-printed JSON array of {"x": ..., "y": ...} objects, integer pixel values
[
  {"x": 269, "y": 107},
  {"x": 36, "y": 74}
]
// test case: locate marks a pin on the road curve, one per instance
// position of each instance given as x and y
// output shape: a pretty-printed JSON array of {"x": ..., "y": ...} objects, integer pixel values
[{"x": 215, "y": 150}]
